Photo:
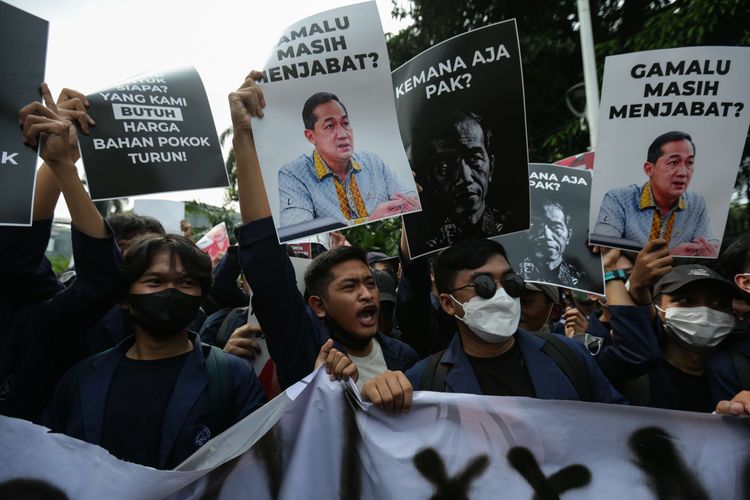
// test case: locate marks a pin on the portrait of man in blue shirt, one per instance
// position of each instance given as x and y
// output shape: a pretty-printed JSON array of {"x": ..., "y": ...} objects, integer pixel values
[
  {"x": 334, "y": 181},
  {"x": 662, "y": 207}
]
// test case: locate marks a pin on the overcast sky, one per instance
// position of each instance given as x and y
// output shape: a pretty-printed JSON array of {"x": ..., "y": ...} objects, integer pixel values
[{"x": 94, "y": 44}]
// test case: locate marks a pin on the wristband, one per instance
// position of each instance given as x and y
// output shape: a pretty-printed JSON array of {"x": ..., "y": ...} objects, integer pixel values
[{"x": 617, "y": 274}]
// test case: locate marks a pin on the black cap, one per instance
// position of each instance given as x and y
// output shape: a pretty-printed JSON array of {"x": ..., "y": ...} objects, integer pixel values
[
  {"x": 549, "y": 291},
  {"x": 687, "y": 273},
  {"x": 386, "y": 286}
]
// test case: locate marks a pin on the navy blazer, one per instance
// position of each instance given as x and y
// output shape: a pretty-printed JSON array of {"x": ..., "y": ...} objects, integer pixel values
[
  {"x": 46, "y": 336},
  {"x": 549, "y": 381},
  {"x": 634, "y": 350},
  {"x": 293, "y": 332},
  {"x": 722, "y": 376},
  {"x": 186, "y": 421}
]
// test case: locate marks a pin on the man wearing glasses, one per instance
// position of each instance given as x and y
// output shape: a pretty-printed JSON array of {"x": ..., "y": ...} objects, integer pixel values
[
  {"x": 489, "y": 354},
  {"x": 662, "y": 207}
]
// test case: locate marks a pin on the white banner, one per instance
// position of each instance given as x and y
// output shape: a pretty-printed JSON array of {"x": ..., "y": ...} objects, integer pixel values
[{"x": 325, "y": 444}]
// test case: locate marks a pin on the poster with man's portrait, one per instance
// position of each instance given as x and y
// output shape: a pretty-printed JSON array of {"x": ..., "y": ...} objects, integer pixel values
[
  {"x": 461, "y": 112},
  {"x": 328, "y": 144},
  {"x": 672, "y": 127},
  {"x": 555, "y": 248}
]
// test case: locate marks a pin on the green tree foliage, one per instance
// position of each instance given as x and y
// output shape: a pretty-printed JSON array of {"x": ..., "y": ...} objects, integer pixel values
[
  {"x": 231, "y": 165},
  {"x": 550, "y": 46},
  {"x": 550, "y": 50},
  {"x": 382, "y": 236}
]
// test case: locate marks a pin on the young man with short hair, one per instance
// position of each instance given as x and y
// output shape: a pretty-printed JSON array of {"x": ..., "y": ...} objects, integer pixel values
[
  {"x": 342, "y": 297},
  {"x": 489, "y": 354},
  {"x": 157, "y": 396}
]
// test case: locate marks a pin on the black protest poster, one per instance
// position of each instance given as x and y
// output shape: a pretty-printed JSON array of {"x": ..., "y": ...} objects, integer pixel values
[
  {"x": 154, "y": 134},
  {"x": 460, "y": 107},
  {"x": 22, "y": 73},
  {"x": 555, "y": 249}
]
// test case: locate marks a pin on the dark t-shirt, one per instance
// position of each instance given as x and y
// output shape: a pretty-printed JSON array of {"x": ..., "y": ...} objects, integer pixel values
[
  {"x": 689, "y": 392},
  {"x": 136, "y": 403},
  {"x": 504, "y": 375}
]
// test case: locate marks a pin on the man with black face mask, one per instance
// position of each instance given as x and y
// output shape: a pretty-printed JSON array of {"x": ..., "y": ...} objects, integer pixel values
[
  {"x": 155, "y": 398},
  {"x": 342, "y": 296}
]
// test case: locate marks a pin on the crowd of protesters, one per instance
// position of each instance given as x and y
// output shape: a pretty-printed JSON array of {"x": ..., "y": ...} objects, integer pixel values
[{"x": 148, "y": 350}]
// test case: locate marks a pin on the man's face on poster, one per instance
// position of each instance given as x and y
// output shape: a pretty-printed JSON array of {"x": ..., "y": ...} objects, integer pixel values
[
  {"x": 670, "y": 175},
  {"x": 550, "y": 234},
  {"x": 332, "y": 135},
  {"x": 462, "y": 170}
]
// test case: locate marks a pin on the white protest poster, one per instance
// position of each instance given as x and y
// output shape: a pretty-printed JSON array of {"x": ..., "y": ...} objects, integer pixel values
[
  {"x": 318, "y": 441},
  {"x": 23, "y": 39},
  {"x": 461, "y": 110},
  {"x": 672, "y": 127},
  {"x": 154, "y": 133},
  {"x": 328, "y": 145},
  {"x": 555, "y": 248},
  {"x": 170, "y": 213}
]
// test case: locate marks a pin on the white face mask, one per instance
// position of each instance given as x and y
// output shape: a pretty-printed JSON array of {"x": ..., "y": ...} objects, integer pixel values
[
  {"x": 493, "y": 320},
  {"x": 698, "y": 326}
]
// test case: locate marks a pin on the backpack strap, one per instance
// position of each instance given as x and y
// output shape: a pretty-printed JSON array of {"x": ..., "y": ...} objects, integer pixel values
[
  {"x": 570, "y": 364},
  {"x": 219, "y": 388},
  {"x": 742, "y": 368},
  {"x": 433, "y": 376},
  {"x": 223, "y": 334}
]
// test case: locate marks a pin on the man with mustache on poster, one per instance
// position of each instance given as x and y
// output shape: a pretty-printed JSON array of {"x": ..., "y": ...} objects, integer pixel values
[
  {"x": 662, "y": 207},
  {"x": 334, "y": 181}
]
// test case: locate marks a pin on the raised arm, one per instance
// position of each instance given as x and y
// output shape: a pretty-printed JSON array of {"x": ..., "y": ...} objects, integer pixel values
[
  {"x": 293, "y": 335},
  {"x": 244, "y": 104},
  {"x": 46, "y": 127}
]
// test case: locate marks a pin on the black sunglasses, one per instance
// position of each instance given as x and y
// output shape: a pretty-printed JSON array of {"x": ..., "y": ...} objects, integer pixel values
[{"x": 485, "y": 286}]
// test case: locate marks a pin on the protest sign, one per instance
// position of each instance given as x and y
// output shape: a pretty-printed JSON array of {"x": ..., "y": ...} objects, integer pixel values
[
  {"x": 215, "y": 241},
  {"x": 672, "y": 127},
  {"x": 23, "y": 38},
  {"x": 328, "y": 144},
  {"x": 154, "y": 134},
  {"x": 446, "y": 446},
  {"x": 555, "y": 249},
  {"x": 170, "y": 213},
  {"x": 460, "y": 107}
]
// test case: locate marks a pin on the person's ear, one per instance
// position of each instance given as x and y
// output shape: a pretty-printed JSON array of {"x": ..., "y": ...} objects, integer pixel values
[
  {"x": 743, "y": 282},
  {"x": 310, "y": 136},
  {"x": 492, "y": 165},
  {"x": 450, "y": 306},
  {"x": 648, "y": 168},
  {"x": 317, "y": 305}
]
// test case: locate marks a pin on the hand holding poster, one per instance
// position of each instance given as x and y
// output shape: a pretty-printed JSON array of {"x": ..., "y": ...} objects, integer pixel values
[
  {"x": 154, "y": 134},
  {"x": 555, "y": 249},
  {"x": 331, "y": 70},
  {"x": 23, "y": 38},
  {"x": 461, "y": 111},
  {"x": 672, "y": 128}
]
